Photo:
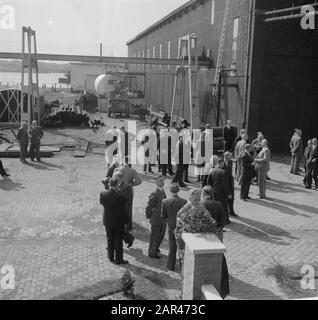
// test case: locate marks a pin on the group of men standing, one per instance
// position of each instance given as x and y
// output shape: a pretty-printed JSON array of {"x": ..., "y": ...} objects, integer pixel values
[
  {"x": 309, "y": 156},
  {"x": 35, "y": 135}
]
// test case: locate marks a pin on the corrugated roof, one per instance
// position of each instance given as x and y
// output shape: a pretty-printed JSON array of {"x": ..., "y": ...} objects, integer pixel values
[{"x": 163, "y": 20}]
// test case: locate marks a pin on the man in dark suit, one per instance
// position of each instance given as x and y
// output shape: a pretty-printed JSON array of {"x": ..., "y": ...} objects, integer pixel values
[
  {"x": 228, "y": 167},
  {"x": 165, "y": 142},
  {"x": 247, "y": 172},
  {"x": 169, "y": 210},
  {"x": 114, "y": 219},
  {"x": 153, "y": 213},
  {"x": 218, "y": 180},
  {"x": 126, "y": 190},
  {"x": 178, "y": 178},
  {"x": 229, "y": 136},
  {"x": 296, "y": 149},
  {"x": 216, "y": 210},
  {"x": 312, "y": 165}
]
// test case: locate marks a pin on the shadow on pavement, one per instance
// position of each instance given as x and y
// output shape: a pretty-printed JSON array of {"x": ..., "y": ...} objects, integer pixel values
[
  {"x": 285, "y": 187},
  {"x": 268, "y": 228},
  {"x": 303, "y": 207},
  {"x": 278, "y": 205},
  {"x": 254, "y": 231},
  {"x": 243, "y": 290},
  {"x": 9, "y": 185},
  {"x": 143, "y": 234},
  {"x": 51, "y": 165}
]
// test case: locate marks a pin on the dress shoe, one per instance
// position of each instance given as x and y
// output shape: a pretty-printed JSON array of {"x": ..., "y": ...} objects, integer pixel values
[
  {"x": 121, "y": 262},
  {"x": 249, "y": 198},
  {"x": 187, "y": 181},
  {"x": 171, "y": 173},
  {"x": 6, "y": 175},
  {"x": 182, "y": 185},
  {"x": 233, "y": 214},
  {"x": 262, "y": 197},
  {"x": 154, "y": 257},
  {"x": 228, "y": 222}
]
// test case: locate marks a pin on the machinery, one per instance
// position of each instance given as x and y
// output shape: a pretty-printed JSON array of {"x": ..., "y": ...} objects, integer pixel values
[{"x": 122, "y": 95}]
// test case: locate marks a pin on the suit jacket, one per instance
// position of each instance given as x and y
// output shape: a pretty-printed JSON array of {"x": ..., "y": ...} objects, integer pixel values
[
  {"x": 314, "y": 156},
  {"x": 264, "y": 158},
  {"x": 153, "y": 208},
  {"x": 170, "y": 208},
  {"x": 296, "y": 145},
  {"x": 229, "y": 136},
  {"x": 216, "y": 210},
  {"x": 23, "y": 136},
  {"x": 247, "y": 167},
  {"x": 229, "y": 170},
  {"x": 115, "y": 213},
  {"x": 218, "y": 180},
  {"x": 308, "y": 155}
]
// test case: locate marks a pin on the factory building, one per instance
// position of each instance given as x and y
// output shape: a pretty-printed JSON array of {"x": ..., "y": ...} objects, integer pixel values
[{"x": 269, "y": 80}]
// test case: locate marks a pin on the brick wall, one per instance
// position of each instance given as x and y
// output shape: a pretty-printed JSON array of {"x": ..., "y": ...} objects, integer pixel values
[{"x": 198, "y": 19}]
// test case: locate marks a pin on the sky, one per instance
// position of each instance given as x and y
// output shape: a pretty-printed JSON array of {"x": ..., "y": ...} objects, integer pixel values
[{"x": 78, "y": 26}]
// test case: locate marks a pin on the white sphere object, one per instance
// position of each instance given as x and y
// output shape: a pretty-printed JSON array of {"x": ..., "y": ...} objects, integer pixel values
[{"x": 105, "y": 83}]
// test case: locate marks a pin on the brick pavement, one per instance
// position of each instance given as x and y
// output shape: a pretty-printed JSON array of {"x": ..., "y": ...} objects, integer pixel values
[{"x": 51, "y": 231}]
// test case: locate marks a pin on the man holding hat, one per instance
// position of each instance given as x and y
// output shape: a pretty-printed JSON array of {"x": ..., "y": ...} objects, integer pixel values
[{"x": 169, "y": 210}]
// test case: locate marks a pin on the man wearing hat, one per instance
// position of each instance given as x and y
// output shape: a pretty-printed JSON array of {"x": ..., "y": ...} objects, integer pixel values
[
  {"x": 114, "y": 219},
  {"x": 169, "y": 210}
]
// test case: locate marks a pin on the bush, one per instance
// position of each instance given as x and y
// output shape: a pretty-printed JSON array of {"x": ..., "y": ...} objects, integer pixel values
[{"x": 128, "y": 284}]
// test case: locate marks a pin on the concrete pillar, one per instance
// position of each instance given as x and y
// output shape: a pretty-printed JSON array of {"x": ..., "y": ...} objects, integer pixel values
[{"x": 202, "y": 263}]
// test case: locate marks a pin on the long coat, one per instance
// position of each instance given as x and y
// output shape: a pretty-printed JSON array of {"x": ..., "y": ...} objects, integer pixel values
[{"x": 115, "y": 213}]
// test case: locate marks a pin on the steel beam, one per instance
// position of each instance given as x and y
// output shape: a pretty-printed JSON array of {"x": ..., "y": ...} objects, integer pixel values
[
  {"x": 287, "y": 17},
  {"x": 268, "y": 13},
  {"x": 92, "y": 59}
]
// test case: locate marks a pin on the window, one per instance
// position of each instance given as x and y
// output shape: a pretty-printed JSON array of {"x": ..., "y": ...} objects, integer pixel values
[
  {"x": 212, "y": 11},
  {"x": 153, "y": 54},
  {"x": 235, "y": 39},
  {"x": 160, "y": 54},
  {"x": 148, "y": 56},
  {"x": 169, "y": 53}
]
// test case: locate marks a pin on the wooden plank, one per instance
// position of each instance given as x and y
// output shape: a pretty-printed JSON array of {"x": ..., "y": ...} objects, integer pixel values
[{"x": 80, "y": 150}]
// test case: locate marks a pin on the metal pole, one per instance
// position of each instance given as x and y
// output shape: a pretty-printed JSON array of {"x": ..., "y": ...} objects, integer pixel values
[
  {"x": 190, "y": 82},
  {"x": 37, "y": 79},
  {"x": 29, "y": 77},
  {"x": 22, "y": 75},
  {"x": 290, "y": 9},
  {"x": 174, "y": 97},
  {"x": 288, "y": 17},
  {"x": 219, "y": 100}
]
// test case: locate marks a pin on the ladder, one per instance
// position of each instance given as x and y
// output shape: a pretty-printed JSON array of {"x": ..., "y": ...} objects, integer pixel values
[
  {"x": 221, "y": 49},
  {"x": 29, "y": 88},
  {"x": 186, "y": 67}
]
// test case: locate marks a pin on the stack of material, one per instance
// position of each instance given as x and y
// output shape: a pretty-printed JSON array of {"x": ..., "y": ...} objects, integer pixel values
[
  {"x": 95, "y": 120},
  {"x": 61, "y": 116}
]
